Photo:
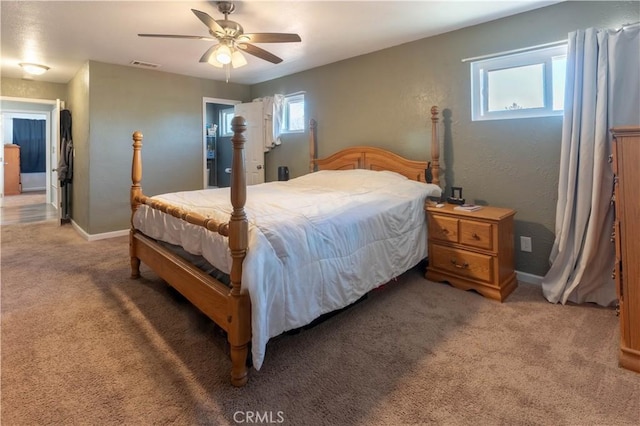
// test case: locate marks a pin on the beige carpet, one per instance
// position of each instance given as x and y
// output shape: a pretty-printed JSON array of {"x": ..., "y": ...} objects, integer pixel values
[{"x": 83, "y": 344}]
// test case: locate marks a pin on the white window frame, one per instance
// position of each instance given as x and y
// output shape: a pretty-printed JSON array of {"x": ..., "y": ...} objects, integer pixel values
[
  {"x": 225, "y": 129},
  {"x": 286, "y": 123},
  {"x": 479, "y": 83}
]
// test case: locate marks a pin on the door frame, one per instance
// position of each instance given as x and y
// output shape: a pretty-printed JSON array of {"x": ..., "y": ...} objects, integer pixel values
[
  {"x": 47, "y": 107},
  {"x": 203, "y": 129}
]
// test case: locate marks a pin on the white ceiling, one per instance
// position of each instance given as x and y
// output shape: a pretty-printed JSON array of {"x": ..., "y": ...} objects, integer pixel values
[{"x": 64, "y": 35}]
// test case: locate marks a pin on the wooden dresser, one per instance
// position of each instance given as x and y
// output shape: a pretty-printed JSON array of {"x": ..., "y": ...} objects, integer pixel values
[
  {"x": 472, "y": 250},
  {"x": 12, "y": 185},
  {"x": 626, "y": 168}
]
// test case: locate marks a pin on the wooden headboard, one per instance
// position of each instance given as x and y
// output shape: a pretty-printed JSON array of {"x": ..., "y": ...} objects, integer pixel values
[{"x": 368, "y": 157}]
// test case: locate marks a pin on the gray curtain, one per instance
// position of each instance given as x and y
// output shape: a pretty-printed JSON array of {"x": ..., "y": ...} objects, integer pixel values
[{"x": 602, "y": 91}]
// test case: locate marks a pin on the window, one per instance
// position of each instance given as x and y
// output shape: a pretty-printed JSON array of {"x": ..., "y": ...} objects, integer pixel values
[
  {"x": 226, "y": 115},
  {"x": 526, "y": 84},
  {"x": 293, "y": 114}
]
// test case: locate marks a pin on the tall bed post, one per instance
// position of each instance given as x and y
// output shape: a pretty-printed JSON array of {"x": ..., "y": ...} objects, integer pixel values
[
  {"x": 239, "y": 318},
  {"x": 435, "y": 146},
  {"x": 136, "y": 191},
  {"x": 313, "y": 145}
]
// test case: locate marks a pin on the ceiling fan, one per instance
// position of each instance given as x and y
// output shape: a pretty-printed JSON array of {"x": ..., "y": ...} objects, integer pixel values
[{"x": 232, "y": 40}]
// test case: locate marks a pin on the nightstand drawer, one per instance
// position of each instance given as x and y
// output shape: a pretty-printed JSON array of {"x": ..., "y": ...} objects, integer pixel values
[
  {"x": 476, "y": 234},
  {"x": 463, "y": 263},
  {"x": 443, "y": 228}
]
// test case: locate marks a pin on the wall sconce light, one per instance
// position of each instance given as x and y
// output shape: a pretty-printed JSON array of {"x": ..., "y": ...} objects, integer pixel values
[{"x": 34, "y": 69}]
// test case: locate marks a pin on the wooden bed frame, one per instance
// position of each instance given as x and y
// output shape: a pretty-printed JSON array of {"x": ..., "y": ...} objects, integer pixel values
[{"x": 230, "y": 307}]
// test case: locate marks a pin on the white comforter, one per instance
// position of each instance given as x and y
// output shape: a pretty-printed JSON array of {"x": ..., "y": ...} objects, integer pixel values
[{"x": 316, "y": 243}]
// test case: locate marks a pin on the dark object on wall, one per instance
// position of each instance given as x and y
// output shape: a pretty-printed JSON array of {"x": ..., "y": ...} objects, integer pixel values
[
  {"x": 31, "y": 136},
  {"x": 428, "y": 174},
  {"x": 283, "y": 173},
  {"x": 65, "y": 166},
  {"x": 65, "y": 162}
]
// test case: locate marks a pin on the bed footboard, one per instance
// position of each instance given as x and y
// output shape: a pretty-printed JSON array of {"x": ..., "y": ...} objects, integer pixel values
[{"x": 230, "y": 308}]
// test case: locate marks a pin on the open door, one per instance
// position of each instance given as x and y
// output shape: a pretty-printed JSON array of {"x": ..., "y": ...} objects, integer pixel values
[
  {"x": 254, "y": 147},
  {"x": 53, "y": 191}
]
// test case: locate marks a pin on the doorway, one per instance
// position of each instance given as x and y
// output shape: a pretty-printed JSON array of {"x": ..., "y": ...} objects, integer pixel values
[
  {"x": 48, "y": 110},
  {"x": 26, "y": 133},
  {"x": 216, "y": 144}
]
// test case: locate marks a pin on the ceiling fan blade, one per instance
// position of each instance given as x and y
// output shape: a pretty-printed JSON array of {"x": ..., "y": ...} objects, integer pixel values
[
  {"x": 208, "y": 21},
  {"x": 260, "y": 53},
  {"x": 178, "y": 36},
  {"x": 272, "y": 37}
]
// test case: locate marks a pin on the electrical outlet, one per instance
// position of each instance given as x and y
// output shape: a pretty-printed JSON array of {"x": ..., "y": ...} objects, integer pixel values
[{"x": 525, "y": 244}]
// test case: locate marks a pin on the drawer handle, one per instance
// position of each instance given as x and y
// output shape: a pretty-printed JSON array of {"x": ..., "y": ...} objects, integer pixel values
[
  {"x": 444, "y": 230},
  {"x": 613, "y": 236},
  {"x": 475, "y": 236},
  {"x": 613, "y": 274},
  {"x": 610, "y": 159},
  {"x": 455, "y": 263}
]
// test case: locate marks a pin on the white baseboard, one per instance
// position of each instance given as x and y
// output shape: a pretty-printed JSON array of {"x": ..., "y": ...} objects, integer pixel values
[
  {"x": 529, "y": 278},
  {"x": 96, "y": 237}
]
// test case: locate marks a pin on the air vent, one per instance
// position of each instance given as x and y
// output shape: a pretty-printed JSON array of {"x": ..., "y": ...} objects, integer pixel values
[{"x": 144, "y": 64}]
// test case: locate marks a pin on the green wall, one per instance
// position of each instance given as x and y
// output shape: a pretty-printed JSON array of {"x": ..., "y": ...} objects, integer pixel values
[
  {"x": 20, "y": 88},
  {"x": 384, "y": 98},
  {"x": 78, "y": 104},
  {"x": 167, "y": 109}
]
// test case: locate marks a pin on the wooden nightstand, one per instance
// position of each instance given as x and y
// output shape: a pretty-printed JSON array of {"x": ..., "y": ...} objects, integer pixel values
[{"x": 472, "y": 250}]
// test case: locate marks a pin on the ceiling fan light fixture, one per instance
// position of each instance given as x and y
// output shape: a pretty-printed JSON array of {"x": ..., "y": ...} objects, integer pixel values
[
  {"x": 33, "y": 69},
  {"x": 237, "y": 59},
  {"x": 223, "y": 54},
  {"x": 212, "y": 61}
]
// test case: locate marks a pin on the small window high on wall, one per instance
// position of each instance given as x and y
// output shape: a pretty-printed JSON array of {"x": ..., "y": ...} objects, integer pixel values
[{"x": 519, "y": 85}]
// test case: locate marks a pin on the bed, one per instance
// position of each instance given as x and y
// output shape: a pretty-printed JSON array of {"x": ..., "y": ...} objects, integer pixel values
[{"x": 281, "y": 254}]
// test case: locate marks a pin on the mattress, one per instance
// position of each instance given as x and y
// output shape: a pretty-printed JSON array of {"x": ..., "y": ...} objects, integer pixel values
[{"x": 317, "y": 243}]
